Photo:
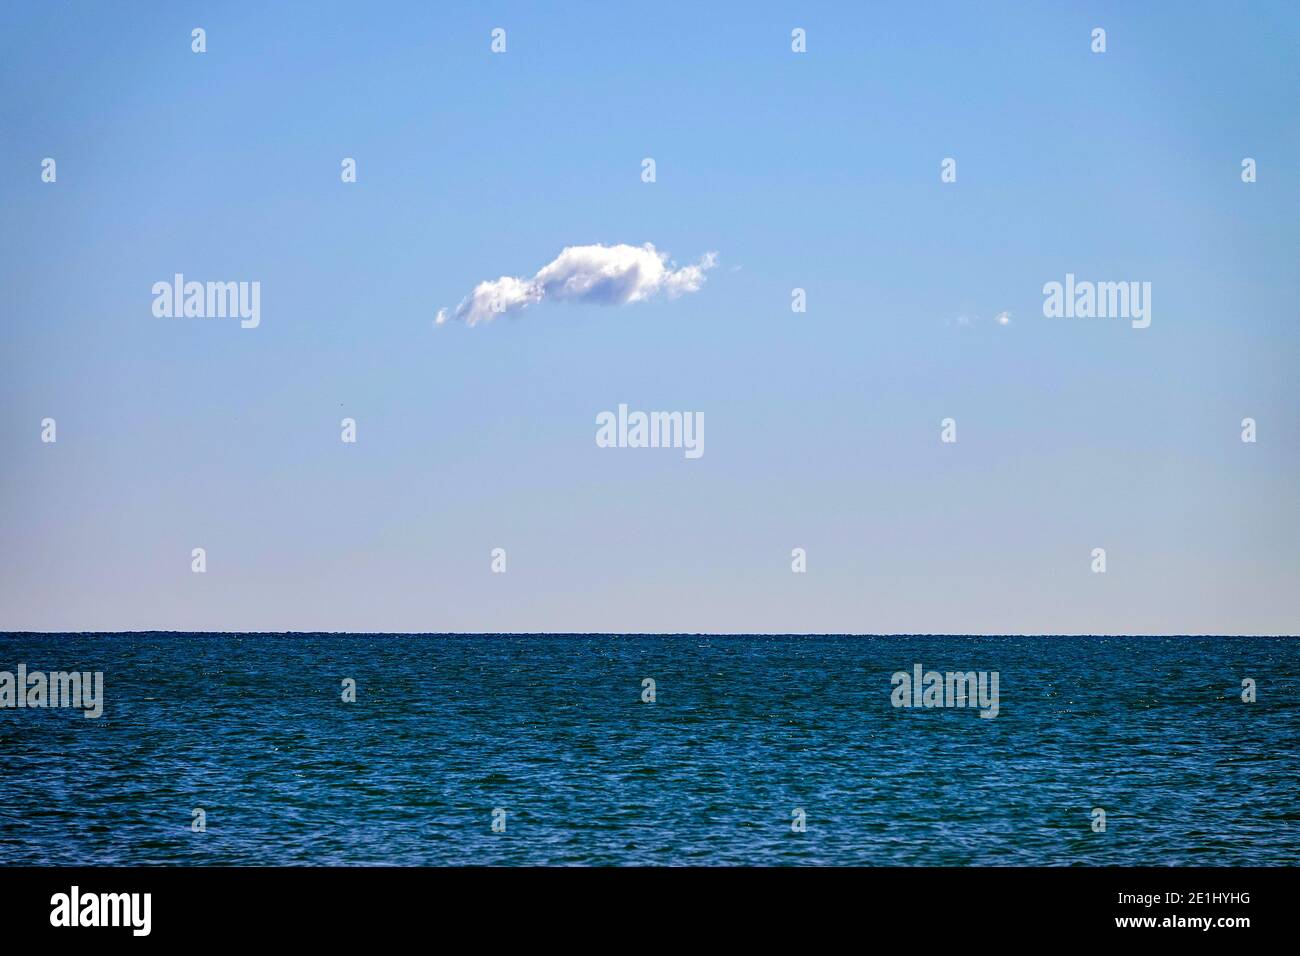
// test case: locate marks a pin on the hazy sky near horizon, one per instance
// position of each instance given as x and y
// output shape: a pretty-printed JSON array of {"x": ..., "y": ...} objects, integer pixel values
[{"x": 818, "y": 170}]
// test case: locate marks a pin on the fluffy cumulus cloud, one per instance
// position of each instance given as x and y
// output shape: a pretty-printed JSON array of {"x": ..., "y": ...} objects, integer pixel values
[{"x": 605, "y": 275}]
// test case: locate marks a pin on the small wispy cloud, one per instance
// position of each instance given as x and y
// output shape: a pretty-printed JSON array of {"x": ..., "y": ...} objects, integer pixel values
[
  {"x": 967, "y": 319},
  {"x": 604, "y": 275}
]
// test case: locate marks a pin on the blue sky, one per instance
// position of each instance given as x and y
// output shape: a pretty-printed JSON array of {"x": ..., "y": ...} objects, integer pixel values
[{"x": 816, "y": 170}]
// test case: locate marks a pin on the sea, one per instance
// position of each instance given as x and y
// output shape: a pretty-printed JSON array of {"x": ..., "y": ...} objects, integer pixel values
[{"x": 653, "y": 750}]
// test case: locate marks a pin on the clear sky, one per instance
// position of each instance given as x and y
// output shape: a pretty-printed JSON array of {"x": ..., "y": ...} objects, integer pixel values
[{"x": 818, "y": 170}]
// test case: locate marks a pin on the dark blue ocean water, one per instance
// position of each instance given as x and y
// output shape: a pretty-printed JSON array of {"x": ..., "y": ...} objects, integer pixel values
[{"x": 252, "y": 729}]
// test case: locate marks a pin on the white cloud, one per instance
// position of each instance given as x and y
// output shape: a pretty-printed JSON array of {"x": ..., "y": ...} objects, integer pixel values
[
  {"x": 967, "y": 319},
  {"x": 605, "y": 275}
]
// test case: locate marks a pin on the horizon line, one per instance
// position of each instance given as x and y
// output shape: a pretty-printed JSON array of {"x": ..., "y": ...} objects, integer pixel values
[{"x": 632, "y": 634}]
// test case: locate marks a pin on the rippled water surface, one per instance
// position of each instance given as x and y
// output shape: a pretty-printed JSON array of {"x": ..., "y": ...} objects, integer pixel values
[{"x": 251, "y": 728}]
